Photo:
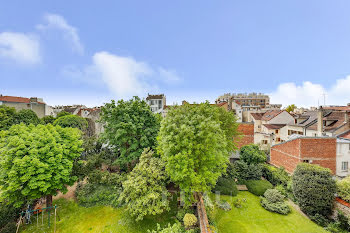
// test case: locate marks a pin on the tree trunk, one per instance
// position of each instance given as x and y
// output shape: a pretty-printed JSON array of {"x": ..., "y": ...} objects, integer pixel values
[{"x": 48, "y": 200}]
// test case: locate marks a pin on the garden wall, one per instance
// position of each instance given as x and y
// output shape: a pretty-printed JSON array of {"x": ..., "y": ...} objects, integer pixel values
[{"x": 247, "y": 134}]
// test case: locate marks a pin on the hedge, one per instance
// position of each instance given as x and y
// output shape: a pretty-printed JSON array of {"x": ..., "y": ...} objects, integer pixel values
[
  {"x": 314, "y": 189},
  {"x": 258, "y": 187},
  {"x": 247, "y": 172},
  {"x": 226, "y": 187},
  {"x": 276, "y": 176},
  {"x": 343, "y": 188}
]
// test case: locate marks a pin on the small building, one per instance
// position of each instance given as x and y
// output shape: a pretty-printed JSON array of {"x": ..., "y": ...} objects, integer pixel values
[
  {"x": 19, "y": 103},
  {"x": 157, "y": 103}
]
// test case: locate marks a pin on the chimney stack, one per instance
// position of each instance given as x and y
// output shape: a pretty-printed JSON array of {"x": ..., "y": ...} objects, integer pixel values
[{"x": 320, "y": 122}]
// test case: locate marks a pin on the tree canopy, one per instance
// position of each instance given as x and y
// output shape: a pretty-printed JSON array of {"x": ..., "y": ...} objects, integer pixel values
[
  {"x": 291, "y": 108},
  {"x": 7, "y": 117},
  {"x": 72, "y": 121},
  {"x": 48, "y": 119},
  {"x": 27, "y": 116},
  {"x": 129, "y": 127},
  {"x": 144, "y": 191},
  {"x": 251, "y": 154},
  {"x": 36, "y": 161},
  {"x": 63, "y": 113},
  {"x": 196, "y": 141}
]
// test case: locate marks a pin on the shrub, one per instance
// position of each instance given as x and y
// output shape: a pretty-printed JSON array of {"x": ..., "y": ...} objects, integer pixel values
[
  {"x": 176, "y": 228},
  {"x": 224, "y": 205},
  {"x": 278, "y": 207},
  {"x": 251, "y": 154},
  {"x": 247, "y": 172},
  {"x": 344, "y": 221},
  {"x": 231, "y": 173},
  {"x": 97, "y": 194},
  {"x": 226, "y": 187},
  {"x": 190, "y": 220},
  {"x": 320, "y": 219},
  {"x": 9, "y": 228},
  {"x": 258, "y": 187},
  {"x": 314, "y": 189},
  {"x": 239, "y": 202},
  {"x": 182, "y": 212},
  {"x": 282, "y": 190},
  {"x": 343, "y": 188},
  {"x": 276, "y": 176},
  {"x": 72, "y": 121},
  {"x": 273, "y": 195}
]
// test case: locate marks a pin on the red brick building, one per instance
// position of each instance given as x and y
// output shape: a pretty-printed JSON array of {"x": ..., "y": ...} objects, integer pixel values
[
  {"x": 247, "y": 134},
  {"x": 314, "y": 150}
]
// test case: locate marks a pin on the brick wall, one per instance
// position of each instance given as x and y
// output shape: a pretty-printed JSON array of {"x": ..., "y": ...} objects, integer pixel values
[
  {"x": 247, "y": 134},
  {"x": 321, "y": 151}
]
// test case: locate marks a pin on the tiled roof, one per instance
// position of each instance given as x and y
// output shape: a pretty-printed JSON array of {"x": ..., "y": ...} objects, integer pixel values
[
  {"x": 338, "y": 108},
  {"x": 152, "y": 97},
  {"x": 15, "y": 99},
  {"x": 270, "y": 114},
  {"x": 274, "y": 126},
  {"x": 337, "y": 117},
  {"x": 257, "y": 116},
  {"x": 308, "y": 117},
  {"x": 221, "y": 104},
  {"x": 345, "y": 135}
]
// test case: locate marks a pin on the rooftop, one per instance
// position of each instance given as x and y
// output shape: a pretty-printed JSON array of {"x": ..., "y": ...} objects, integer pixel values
[{"x": 15, "y": 99}]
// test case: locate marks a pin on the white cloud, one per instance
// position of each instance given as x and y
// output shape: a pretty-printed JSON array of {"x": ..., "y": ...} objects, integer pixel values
[
  {"x": 311, "y": 94},
  {"x": 168, "y": 76},
  {"x": 70, "y": 33},
  {"x": 23, "y": 48}
]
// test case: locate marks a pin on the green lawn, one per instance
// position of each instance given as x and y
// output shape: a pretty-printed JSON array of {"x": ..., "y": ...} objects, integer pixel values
[
  {"x": 252, "y": 218},
  {"x": 77, "y": 219}
]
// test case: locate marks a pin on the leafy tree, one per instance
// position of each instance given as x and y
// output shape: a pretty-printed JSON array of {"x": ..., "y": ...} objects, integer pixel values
[
  {"x": 251, "y": 154},
  {"x": 195, "y": 141},
  {"x": 37, "y": 161},
  {"x": 343, "y": 188},
  {"x": 130, "y": 126},
  {"x": 144, "y": 191},
  {"x": 63, "y": 113},
  {"x": 48, "y": 119},
  {"x": 7, "y": 117},
  {"x": 72, "y": 121},
  {"x": 314, "y": 189},
  {"x": 291, "y": 108},
  {"x": 27, "y": 116}
]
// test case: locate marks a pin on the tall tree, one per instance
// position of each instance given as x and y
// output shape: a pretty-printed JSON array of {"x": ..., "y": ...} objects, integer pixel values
[
  {"x": 7, "y": 117},
  {"x": 37, "y": 161},
  {"x": 130, "y": 126},
  {"x": 27, "y": 116},
  {"x": 72, "y": 121},
  {"x": 291, "y": 108},
  {"x": 195, "y": 142},
  {"x": 144, "y": 191}
]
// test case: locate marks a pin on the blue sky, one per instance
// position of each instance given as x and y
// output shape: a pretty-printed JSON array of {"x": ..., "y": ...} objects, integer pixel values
[{"x": 89, "y": 52}]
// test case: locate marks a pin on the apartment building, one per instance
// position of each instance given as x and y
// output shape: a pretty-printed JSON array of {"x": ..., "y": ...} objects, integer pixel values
[
  {"x": 157, "y": 103},
  {"x": 36, "y": 104}
]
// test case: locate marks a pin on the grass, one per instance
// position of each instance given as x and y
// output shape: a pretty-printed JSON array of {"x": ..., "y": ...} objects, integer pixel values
[
  {"x": 254, "y": 218},
  {"x": 75, "y": 218}
]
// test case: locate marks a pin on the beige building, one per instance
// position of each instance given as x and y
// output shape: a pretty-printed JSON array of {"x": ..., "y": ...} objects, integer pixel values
[
  {"x": 19, "y": 103},
  {"x": 157, "y": 103}
]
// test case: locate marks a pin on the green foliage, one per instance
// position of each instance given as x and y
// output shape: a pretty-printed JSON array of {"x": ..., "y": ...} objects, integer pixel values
[
  {"x": 182, "y": 211},
  {"x": 343, "y": 188},
  {"x": 239, "y": 202},
  {"x": 130, "y": 126},
  {"x": 175, "y": 228},
  {"x": 282, "y": 190},
  {"x": 273, "y": 195},
  {"x": 223, "y": 205},
  {"x": 195, "y": 143},
  {"x": 144, "y": 190},
  {"x": 277, "y": 207},
  {"x": 8, "y": 216},
  {"x": 226, "y": 187},
  {"x": 251, "y": 154},
  {"x": 48, "y": 119},
  {"x": 72, "y": 121},
  {"x": 247, "y": 172},
  {"x": 7, "y": 117},
  {"x": 36, "y": 161},
  {"x": 314, "y": 189},
  {"x": 344, "y": 221},
  {"x": 258, "y": 187},
  {"x": 276, "y": 176},
  {"x": 97, "y": 194},
  {"x": 9, "y": 228},
  {"x": 63, "y": 113},
  {"x": 291, "y": 108},
  {"x": 27, "y": 116},
  {"x": 190, "y": 220},
  {"x": 231, "y": 173}
]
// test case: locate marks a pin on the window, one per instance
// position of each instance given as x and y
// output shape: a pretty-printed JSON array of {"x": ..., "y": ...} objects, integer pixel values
[
  {"x": 306, "y": 161},
  {"x": 264, "y": 141},
  {"x": 276, "y": 131},
  {"x": 344, "y": 166}
]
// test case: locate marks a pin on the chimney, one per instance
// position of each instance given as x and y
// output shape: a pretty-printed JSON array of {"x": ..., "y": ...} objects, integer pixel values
[{"x": 320, "y": 121}]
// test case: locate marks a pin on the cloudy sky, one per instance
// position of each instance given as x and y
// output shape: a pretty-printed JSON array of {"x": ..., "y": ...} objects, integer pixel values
[{"x": 89, "y": 52}]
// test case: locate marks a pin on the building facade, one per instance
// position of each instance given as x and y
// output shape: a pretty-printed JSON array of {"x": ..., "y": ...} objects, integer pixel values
[
  {"x": 157, "y": 103},
  {"x": 19, "y": 103}
]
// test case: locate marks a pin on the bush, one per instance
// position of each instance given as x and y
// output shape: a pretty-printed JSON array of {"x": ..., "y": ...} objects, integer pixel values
[
  {"x": 97, "y": 194},
  {"x": 320, "y": 219},
  {"x": 314, "y": 189},
  {"x": 190, "y": 220},
  {"x": 278, "y": 207},
  {"x": 344, "y": 221},
  {"x": 343, "y": 188},
  {"x": 251, "y": 154},
  {"x": 224, "y": 205},
  {"x": 282, "y": 190},
  {"x": 106, "y": 178},
  {"x": 72, "y": 121},
  {"x": 273, "y": 195},
  {"x": 231, "y": 173},
  {"x": 176, "y": 228},
  {"x": 182, "y": 212},
  {"x": 239, "y": 202},
  {"x": 276, "y": 176},
  {"x": 258, "y": 187},
  {"x": 247, "y": 172},
  {"x": 226, "y": 187},
  {"x": 9, "y": 228}
]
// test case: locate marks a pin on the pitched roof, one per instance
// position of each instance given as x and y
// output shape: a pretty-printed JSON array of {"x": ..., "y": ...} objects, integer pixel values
[
  {"x": 257, "y": 116},
  {"x": 274, "y": 126},
  {"x": 308, "y": 117},
  {"x": 15, "y": 99},
  {"x": 270, "y": 114},
  {"x": 337, "y": 117},
  {"x": 346, "y": 134},
  {"x": 152, "y": 97},
  {"x": 338, "y": 108}
]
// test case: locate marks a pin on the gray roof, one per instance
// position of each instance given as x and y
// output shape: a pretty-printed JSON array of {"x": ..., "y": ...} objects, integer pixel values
[{"x": 308, "y": 118}]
